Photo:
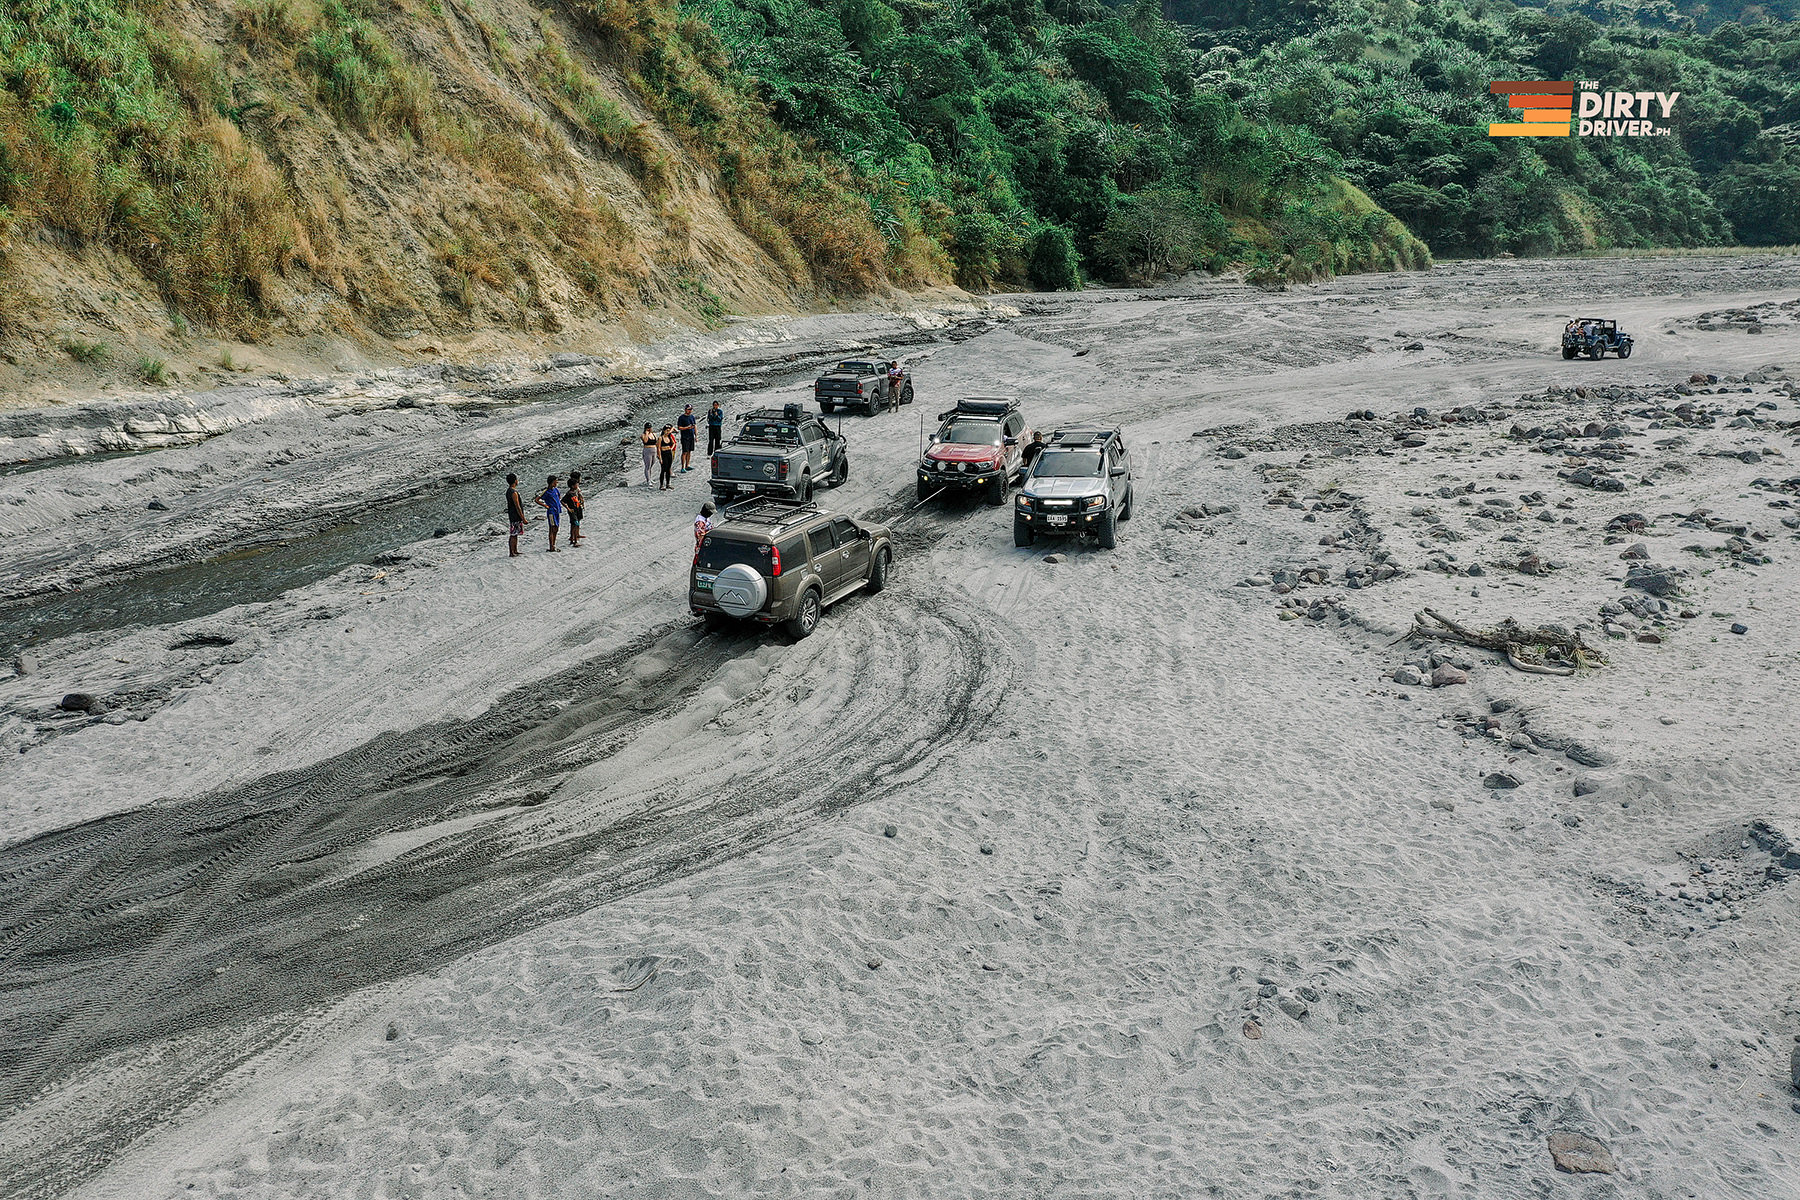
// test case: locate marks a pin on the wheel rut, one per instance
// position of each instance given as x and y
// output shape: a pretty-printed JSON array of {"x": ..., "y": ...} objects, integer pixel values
[{"x": 238, "y": 914}]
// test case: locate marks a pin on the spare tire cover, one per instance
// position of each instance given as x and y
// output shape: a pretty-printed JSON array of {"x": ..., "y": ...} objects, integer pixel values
[{"x": 740, "y": 590}]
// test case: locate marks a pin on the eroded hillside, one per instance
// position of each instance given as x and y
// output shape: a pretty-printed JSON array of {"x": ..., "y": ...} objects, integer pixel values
[{"x": 351, "y": 177}]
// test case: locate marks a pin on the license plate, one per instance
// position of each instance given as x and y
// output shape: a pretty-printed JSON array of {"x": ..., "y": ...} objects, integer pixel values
[
  {"x": 746, "y": 487},
  {"x": 1057, "y": 520}
]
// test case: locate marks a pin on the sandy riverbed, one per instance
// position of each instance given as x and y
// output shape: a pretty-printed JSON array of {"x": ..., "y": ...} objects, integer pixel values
[{"x": 454, "y": 875}]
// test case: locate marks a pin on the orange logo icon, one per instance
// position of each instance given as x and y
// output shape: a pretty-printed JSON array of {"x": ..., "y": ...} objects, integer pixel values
[{"x": 1547, "y": 108}]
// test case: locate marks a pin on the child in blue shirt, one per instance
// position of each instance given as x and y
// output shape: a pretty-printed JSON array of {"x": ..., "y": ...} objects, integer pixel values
[{"x": 550, "y": 500}]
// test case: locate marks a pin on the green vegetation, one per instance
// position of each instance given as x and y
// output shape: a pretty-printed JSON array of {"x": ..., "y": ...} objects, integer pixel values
[
  {"x": 153, "y": 370},
  {"x": 84, "y": 351},
  {"x": 1398, "y": 90},
  {"x": 1032, "y": 138}
]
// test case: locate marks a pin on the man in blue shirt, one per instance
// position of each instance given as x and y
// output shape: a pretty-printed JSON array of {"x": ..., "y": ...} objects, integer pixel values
[
  {"x": 688, "y": 427},
  {"x": 550, "y": 500}
]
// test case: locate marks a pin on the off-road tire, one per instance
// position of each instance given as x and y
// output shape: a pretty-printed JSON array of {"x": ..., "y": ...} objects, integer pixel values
[
  {"x": 1109, "y": 530},
  {"x": 1568, "y": 352},
  {"x": 906, "y": 394},
  {"x": 925, "y": 491},
  {"x": 878, "y": 571},
  {"x": 996, "y": 492},
  {"x": 1625, "y": 350},
  {"x": 717, "y": 622},
  {"x": 806, "y": 617},
  {"x": 1125, "y": 508},
  {"x": 1022, "y": 534},
  {"x": 842, "y": 475},
  {"x": 806, "y": 490},
  {"x": 1596, "y": 352}
]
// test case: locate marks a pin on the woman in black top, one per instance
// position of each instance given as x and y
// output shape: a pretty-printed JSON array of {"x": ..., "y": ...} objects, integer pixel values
[{"x": 666, "y": 443}]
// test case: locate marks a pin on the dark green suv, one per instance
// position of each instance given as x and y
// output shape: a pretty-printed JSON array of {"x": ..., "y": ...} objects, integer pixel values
[{"x": 783, "y": 562}]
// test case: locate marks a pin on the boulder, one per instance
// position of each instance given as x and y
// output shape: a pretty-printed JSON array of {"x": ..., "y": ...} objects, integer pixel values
[{"x": 1579, "y": 1154}]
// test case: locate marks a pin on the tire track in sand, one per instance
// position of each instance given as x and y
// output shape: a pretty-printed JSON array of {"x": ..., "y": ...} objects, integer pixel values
[{"x": 287, "y": 894}]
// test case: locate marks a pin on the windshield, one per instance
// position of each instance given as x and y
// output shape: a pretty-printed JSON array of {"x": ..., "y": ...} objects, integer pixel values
[
  {"x": 1067, "y": 463},
  {"x": 971, "y": 433},
  {"x": 773, "y": 431},
  {"x": 717, "y": 553}
]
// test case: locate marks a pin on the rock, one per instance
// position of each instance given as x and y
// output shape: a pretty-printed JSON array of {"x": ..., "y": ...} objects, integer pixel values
[
  {"x": 1413, "y": 441},
  {"x": 1253, "y": 1031},
  {"x": 1444, "y": 804},
  {"x": 1414, "y": 346},
  {"x": 1586, "y": 787},
  {"x": 1657, "y": 581},
  {"x": 393, "y": 1032},
  {"x": 890, "y": 831},
  {"x": 1740, "y": 628},
  {"x": 1053, "y": 558},
  {"x": 1447, "y": 676},
  {"x": 987, "y": 847},
  {"x": 873, "y": 962},
  {"x": 1579, "y": 1154},
  {"x": 1293, "y": 1006},
  {"x": 1650, "y": 639},
  {"x": 439, "y": 532},
  {"x": 157, "y": 506},
  {"x": 82, "y": 702},
  {"x": 1408, "y": 676},
  {"x": 1531, "y": 564},
  {"x": 1637, "y": 551},
  {"x": 1500, "y": 780},
  {"x": 1232, "y": 452},
  {"x": 1587, "y": 756},
  {"x": 1794, "y": 1067}
]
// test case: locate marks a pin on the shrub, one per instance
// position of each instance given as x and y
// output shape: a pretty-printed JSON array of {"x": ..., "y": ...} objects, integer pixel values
[{"x": 1054, "y": 265}]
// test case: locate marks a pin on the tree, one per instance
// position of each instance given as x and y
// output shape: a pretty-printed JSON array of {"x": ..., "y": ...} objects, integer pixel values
[{"x": 1054, "y": 266}]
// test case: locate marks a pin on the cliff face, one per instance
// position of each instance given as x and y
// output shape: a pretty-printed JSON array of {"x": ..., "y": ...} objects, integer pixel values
[{"x": 380, "y": 176}]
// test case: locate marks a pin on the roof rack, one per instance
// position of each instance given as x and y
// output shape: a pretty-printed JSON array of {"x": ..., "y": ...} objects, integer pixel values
[
  {"x": 770, "y": 510},
  {"x": 1078, "y": 438},
  {"x": 981, "y": 406},
  {"x": 787, "y": 412}
]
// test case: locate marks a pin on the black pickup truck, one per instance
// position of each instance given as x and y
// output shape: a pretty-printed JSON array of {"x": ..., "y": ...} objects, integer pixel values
[
  {"x": 864, "y": 384},
  {"x": 779, "y": 452}
]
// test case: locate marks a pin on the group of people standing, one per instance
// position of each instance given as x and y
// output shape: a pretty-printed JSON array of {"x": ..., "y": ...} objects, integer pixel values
[
  {"x": 684, "y": 432},
  {"x": 557, "y": 501},
  {"x": 554, "y": 501}
]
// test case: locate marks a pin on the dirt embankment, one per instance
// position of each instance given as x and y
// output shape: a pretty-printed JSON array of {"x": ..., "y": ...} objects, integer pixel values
[{"x": 334, "y": 187}]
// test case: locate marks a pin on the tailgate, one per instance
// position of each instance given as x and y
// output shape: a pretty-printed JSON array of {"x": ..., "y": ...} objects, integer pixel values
[
  {"x": 835, "y": 387},
  {"x": 747, "y": 466}
]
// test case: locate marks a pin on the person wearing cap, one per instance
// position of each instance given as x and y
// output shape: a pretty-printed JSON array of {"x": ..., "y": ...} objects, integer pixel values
[
  {"x": 688, "y": 427},
  {"x": 703, "y": 525}
]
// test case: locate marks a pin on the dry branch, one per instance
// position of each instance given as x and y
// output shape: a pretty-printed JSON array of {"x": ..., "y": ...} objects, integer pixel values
[{"x": 1561, "y": 653}]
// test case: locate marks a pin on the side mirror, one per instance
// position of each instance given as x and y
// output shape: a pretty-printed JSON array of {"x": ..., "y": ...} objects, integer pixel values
[
  {"x": 1117, "y": 471},
  {"x": 1012, "y": 441},
  {"x": 863, "y": 535}
]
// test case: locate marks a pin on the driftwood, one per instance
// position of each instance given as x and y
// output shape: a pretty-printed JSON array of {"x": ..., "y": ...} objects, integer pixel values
[{"x": 1561, "y": 654}]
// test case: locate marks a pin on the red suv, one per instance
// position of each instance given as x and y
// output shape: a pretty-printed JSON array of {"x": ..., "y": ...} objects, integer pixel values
[{"x": 979, "y": 444}]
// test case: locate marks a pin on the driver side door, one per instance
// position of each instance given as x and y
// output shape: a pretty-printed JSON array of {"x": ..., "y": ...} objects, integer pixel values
[{"x": 852, "y": 552}]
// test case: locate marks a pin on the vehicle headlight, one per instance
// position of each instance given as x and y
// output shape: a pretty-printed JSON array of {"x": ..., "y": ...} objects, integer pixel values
[
  {"x": 1024, "y": 500},
  {"x": 1092, "y": 501},
  {"x": 943, "y": 466}
]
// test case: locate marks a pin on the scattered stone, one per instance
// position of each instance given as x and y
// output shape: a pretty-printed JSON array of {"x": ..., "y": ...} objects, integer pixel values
[
  {"x": 890, "y": 831},
  {"x": 1232, "y": 452},
  {"x": 82, "y": 702},
  {"x": 1579, "y": 1154},
  {"x": 439, "y": 532},
  {"x": 1586, "y": 787},
  {"x": 157, "y": 506},
  {"x": 1293, "y": 1006},
  {"x": 1053, "y": 558},
  {"x": 1447, "y": 676},
  {"x": 393, "y": 1032},
  {"x": 1650, "y": 639},
  {"x": 1445, "y": 805},
  {"x": 987, "y": 847},
  {"x": 1740, "y": 628},
  {"x": 1657, "y": 581},
  {"x": 874, "y": 962},
  {"x": 1408, "y": 676},
  {"x": 1412, "y": 441},
  {"x": 1500, "y": 780},
  {"x": 1414, "y": 346},
  {"x": 1253, "y": 1031}
]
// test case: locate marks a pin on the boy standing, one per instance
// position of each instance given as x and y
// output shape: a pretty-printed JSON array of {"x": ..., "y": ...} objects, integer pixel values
[{"x": 550, "y": 500}]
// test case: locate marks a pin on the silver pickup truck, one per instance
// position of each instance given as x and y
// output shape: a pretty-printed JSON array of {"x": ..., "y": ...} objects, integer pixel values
[
  {"x": 779, "y": 452},
  {"x": 859, "y": 383}
]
